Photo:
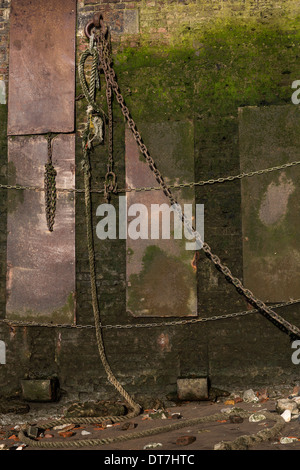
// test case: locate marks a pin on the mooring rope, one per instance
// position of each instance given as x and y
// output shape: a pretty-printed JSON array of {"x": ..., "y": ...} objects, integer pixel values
[{"x": 240, "y": 443}]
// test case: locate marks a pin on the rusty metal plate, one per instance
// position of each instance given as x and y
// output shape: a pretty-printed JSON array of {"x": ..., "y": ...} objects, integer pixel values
[
  {"x": 41, "y": 264},
  {"x": 161, "y": 277},
  {"x": 268, "y": 137},
  {"x": 41, "y": 67}
]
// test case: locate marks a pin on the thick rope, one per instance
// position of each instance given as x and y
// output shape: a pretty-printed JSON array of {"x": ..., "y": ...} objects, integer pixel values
[
  {"x": 136, "y": 407},
  {"x": 246, "y": 441},
  {"x": 241, "y": 443},
  {"x": 89, "y": 91}
]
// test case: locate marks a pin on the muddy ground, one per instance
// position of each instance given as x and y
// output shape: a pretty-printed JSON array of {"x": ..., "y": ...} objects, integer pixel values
[{"x": 202, "y": 436}]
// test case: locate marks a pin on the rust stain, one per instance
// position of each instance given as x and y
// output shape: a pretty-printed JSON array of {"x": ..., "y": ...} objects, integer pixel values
[
  {"x": 163, "y": 342},
  {"x": 8, "y": 280},
  {"x": 194, "y": 261},
  {"x": 59, "y": 342},
  {"x": 12, "y": 332}
]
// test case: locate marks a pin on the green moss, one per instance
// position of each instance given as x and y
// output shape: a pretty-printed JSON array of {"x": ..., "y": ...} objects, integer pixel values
[
  {"x": 211, "y": 70},
  {"x": 64, "y": 314},
  {"x": 172, "y": 146},
  {"x": 164, "y": 286}
]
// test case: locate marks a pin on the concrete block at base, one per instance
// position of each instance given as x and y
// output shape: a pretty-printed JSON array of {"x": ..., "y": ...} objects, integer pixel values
[
  {"x": 192, "y": 389},
  {"x": 39, "y": 390}
]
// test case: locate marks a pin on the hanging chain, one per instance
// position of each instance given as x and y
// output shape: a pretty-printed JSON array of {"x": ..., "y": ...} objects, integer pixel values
[
  {"x": 110, "y": 184},
  {"x": 50, "y": 186},
  {"x": 110, "y": 76}
]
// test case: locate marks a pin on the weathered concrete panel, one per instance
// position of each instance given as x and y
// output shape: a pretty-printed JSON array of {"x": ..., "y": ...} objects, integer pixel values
[
  {"x": 161, "y": 280},
  {"x": 271, "y": 202},
  {"x": 41, "y": 67},
  {"x": 41, "y": 264}
]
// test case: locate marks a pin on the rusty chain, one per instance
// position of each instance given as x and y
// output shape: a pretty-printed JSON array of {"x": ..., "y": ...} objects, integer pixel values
[
  {"x": 127, "y": 326},
  {"x": 50, "y": 186},
  {"x": 222, "y": 179},
  {"x": 190, "y": 184},
  {"x": 272, "y": 316},
  {"x": 110, "y": 183}
]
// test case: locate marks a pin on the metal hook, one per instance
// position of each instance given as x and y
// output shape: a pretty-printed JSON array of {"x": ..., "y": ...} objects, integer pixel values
[
  {"x": 88, "y": 28},
  {"x": 110, "y": 181},
  {"x": 96, "y": 22}
]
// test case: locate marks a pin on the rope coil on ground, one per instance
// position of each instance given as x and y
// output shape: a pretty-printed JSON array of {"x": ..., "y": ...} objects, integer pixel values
[{"x": 241, "y": 443}]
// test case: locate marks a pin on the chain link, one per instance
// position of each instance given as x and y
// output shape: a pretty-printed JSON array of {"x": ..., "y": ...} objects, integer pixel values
[
  {"x": 50, "y": 186},
  {"x": 158, "y": 188},
  {"x": 110, "y": 184},
  {"x": 214, "y": 181},
  {"x": 187, "y": 321}
]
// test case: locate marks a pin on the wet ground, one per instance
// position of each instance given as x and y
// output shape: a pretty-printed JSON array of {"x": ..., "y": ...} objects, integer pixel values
[{"x": 188, "y": 439}]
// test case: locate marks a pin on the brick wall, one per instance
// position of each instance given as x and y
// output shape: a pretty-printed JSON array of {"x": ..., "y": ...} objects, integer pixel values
[{"x": 175, "y": 60}]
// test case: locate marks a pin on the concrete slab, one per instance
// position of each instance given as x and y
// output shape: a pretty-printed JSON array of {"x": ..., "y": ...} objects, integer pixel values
[
  {"x": 161, "y": 281},
  {"x": 41, "y": 264},
  {"x": 269, "y": 136},
  {"x": 41, "y": 67}
]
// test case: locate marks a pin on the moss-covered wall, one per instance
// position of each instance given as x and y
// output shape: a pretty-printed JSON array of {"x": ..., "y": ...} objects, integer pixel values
[{"x": 175, "y": 61}]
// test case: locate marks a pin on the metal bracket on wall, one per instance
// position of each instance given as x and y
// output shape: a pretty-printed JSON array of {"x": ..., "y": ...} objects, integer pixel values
[{"x": 2, "y": 353}]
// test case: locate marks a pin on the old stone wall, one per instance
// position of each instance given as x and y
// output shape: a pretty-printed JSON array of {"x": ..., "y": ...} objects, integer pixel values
[{"x": 196, "y": 61}]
